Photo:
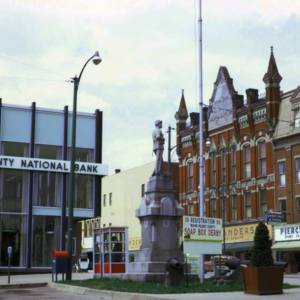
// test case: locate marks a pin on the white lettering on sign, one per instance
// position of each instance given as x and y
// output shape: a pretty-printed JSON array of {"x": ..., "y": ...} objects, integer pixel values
[
  {"x": 287, "y": 232},
  {"x": 51, "y": 165},
  {"x": 202, "y": 229}
]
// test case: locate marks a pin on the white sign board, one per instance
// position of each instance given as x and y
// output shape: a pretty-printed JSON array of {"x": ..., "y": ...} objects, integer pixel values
[
  {"x": 288, "y": 232},
  {"x": 51, "y": 165},
  {"x": 202, "y": 235}
]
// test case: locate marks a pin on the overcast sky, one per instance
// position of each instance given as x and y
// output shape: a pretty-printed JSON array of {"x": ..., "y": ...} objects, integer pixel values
[{"x": 148, "y": 49}]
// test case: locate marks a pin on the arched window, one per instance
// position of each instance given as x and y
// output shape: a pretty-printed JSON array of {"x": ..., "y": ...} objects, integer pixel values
[
  {"x": 190, "y": 176},
  {"x": 246, "y": 161},
  {"x": 213, "y": 169},
  {"x": 223, "y": 165},
  {"x": 262, "y": 162},
  {"x": 233, "y": 163}
]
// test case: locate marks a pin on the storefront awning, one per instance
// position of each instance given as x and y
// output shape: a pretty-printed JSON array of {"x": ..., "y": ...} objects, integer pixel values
[{"x": 287, "y": 246}]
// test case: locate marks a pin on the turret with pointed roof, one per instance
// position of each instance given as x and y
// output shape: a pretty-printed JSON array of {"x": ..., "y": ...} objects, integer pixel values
[
  {"x": 272, "y": 81},
  {"x": 181, "y": 117}
]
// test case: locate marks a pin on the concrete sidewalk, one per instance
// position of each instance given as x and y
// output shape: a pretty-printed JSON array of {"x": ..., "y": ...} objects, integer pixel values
[
  {"x": 40, "y": 278},
  {"x": 289, "y": 294}
]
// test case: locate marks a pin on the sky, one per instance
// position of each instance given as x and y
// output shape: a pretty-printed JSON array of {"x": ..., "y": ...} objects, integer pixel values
[{"x": 149, "y": 54}]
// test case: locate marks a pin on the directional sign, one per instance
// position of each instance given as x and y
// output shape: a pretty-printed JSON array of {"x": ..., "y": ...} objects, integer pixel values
[{"x": 273, "y": 217}]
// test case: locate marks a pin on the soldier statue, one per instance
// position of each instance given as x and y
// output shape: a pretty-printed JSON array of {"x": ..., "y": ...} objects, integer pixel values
[{"x": 158, "y": 147}]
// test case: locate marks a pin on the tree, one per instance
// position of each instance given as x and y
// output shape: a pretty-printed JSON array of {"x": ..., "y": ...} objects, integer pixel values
[{"x": 261, "y": 252}]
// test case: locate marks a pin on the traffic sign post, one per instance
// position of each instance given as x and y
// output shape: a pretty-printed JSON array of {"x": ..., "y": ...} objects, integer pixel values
[{"x": 9, "y": 254}]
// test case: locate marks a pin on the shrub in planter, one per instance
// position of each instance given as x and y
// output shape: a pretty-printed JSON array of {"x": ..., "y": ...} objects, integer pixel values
[{"x": 262, "y": 277}]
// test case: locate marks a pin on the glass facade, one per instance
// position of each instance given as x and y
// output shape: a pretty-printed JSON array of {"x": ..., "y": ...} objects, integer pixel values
[
  {"x": 13, "y": 234},
  {"x": 45, "y": 239},
  {"x": 47, "y": 192},
  {"x": 13, "y": 207}
]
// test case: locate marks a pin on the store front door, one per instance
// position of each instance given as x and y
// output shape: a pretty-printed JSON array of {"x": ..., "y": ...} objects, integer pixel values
[{"x": 10, "y": 238}]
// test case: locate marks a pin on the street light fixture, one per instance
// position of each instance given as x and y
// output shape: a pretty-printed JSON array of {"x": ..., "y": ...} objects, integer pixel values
[{"x": 96, "y": 60}]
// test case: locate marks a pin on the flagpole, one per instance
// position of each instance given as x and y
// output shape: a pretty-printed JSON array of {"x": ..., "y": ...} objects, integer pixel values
[{"x": 201, "y": 166}]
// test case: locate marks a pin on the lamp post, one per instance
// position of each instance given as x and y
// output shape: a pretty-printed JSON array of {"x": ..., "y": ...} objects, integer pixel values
[{"x": 96, "y": 60}]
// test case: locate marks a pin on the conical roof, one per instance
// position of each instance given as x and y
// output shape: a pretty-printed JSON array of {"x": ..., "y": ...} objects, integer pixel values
[{"x": 272, "y": 75}]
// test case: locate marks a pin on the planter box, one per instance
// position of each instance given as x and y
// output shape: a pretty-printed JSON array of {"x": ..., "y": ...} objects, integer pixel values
[{"x": 263, "y": 280}]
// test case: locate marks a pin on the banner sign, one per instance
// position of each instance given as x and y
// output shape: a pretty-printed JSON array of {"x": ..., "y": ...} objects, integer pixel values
[
  {"x": 289, "y": 232},
  {"x": 242, "y": 233},
  {"x": 51, "y": 165},
  {"x": 202, "y": 229}
]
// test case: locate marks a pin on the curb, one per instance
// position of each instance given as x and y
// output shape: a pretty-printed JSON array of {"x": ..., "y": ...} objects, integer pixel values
[
  {"x": 103, "y": 294},
  {"x": 22, "y": 285}
]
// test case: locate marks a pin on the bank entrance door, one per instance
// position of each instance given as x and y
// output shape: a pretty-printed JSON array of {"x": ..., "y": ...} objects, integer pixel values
[{"x": 10, "y": 238}]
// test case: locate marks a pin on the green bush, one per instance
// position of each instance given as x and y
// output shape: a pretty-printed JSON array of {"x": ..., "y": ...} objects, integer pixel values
[{"x": 261, "y": 252}]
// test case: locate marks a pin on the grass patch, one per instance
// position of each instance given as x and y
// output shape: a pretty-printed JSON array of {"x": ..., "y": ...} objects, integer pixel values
[{"x": 114, "y": 284}]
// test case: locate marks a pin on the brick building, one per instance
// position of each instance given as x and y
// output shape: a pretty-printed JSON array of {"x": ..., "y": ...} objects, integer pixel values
[{"x": 240, "y": 182}]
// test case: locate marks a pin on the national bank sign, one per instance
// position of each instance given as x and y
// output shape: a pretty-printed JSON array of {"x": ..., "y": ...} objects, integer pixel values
[{"x": 51, "y": 165}]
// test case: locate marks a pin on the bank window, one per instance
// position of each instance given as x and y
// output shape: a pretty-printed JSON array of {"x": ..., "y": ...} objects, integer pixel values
[
  {"x": 233, "y": 207},
  {"x": 110, "y": 199},
  {"x": 246, "y": 161},
  {"x": 213, "y": 168},
  {"x": 263, "y": 204},
  {"x": 262, "y": 162},
  {"x": 297, "y": 165},
  {"x": 281, "y": 173},
  {"x": 13, "y": 185},
  {"x": 223, "y": 165},
  {"x": 297, "y": 118},
  {"x": 15, "y": 149},
  {"x": 233, "y": 164},
  {"x": 83, "y": 155},
  {"x": 84, "y": 191},
  {"x": 213, "y": 208},
  {"x": 104, "y": 200},
  {"x": 247, "y": 206},
  {"x": 282, "y": 208},
  {"x": 190, "y": 176}
]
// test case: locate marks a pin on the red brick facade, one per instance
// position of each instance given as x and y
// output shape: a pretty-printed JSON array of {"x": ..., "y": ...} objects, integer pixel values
[{"x": 241, "y": 161}]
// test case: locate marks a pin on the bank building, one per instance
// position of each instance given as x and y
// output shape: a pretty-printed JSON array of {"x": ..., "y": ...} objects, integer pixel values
[{"x": 34, "y": 172}]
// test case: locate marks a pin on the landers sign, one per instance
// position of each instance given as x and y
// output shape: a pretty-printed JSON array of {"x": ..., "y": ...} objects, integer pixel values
[{"x": 51, "y": 165}]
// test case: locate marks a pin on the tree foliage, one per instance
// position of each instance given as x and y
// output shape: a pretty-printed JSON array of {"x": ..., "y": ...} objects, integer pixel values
[{"x": 261, "y": 252}]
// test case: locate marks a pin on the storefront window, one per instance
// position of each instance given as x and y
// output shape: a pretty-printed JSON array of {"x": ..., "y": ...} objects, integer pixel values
[
  {"x": 223, "y": 165},
  {"x": 45, "y": 239},
  {"x": 262, "y": 161},
  {"x": 83, "y": 191},
  {"x": 83, "y": 155},
  {"x": 247, "y": 161},
  {"x": 282, "y": 208},
  {"x": 233, "y": 164},
  {"x": 233, "y": 208},
  {"x": 13, "y": 233},
  {"x": 190, "y": 176},
  {"x": 213, "y": 208},
  {"x": 213, "y": 168},
  {"x": 263, "y": 205},
  {"x": 281, "y": 173},
  {"x": 248, "y": 206},
  {"x": 297, "y": 163}
]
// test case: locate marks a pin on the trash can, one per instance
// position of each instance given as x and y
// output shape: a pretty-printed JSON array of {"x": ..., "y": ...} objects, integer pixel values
[
  {"x": 59, "y": 264},
  {"x": 174, "y": 272}
]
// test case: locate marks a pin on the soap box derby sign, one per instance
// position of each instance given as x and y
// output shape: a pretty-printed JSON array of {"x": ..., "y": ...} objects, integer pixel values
[
  {"x": 51, "y": 165},
  {"x": 202, "y": 229}
]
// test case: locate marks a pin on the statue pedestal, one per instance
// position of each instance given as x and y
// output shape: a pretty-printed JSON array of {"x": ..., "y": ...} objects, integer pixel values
[{"x": 159, "y": 215}]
